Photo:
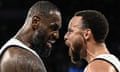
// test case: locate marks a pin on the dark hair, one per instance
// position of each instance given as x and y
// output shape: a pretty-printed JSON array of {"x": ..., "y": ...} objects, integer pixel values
[
  {"x": 97, "y": 22},
  {"x": 42, "y": 8}
]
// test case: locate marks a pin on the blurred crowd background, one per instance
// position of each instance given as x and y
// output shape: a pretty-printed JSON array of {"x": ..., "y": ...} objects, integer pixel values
[{"x": 13, "y": 14}]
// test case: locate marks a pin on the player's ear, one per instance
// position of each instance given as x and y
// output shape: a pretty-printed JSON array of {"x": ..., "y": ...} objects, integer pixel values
[
  {"x": 87, "y": 34},
  {"x": 35, "y": 22}
]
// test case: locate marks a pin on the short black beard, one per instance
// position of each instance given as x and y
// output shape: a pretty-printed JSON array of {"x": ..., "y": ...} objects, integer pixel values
[
  {"x": 79, "y": 52},
  {"x": 38, "y": 43},
  {"x": 76, "y": 56}
]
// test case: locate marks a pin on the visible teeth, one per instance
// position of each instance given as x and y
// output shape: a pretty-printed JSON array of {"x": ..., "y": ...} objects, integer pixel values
[
  {"x": 50, "y": 46},
  {"x": 52, "y": 41}
]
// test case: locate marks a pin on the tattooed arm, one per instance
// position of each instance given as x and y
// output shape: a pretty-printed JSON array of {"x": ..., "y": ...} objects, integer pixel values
[{"x": 20, "y": 60}]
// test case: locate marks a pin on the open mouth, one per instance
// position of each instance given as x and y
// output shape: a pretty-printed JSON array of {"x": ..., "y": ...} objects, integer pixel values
[
  {"x": 50, "y": 43},
  {"x": 67, "y": 43}
]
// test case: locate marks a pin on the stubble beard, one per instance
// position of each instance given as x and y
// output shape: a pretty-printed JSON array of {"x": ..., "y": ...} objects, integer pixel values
[
  {"x": 38, "y": 43},
  {"x": 78, "y": 50}
]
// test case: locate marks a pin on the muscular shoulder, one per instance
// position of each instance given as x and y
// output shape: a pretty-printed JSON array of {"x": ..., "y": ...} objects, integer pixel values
[
  {"x": 18, "y": 59},
  {"x": 99, "y": 66}
]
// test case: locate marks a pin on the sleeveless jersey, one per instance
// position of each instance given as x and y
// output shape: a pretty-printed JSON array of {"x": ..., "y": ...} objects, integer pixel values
[
  {"x": 15, "y": 42},
  {"x": 114, "y": 61}
]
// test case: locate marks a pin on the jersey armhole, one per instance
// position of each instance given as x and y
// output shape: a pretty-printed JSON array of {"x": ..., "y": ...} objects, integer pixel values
[
  {"x": 107, "y": 62},
  {"x": 7, "y": 48}
]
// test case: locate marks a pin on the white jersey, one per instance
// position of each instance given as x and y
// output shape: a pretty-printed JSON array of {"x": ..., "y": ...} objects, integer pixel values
[
  {"x": 16, "y": 42},
  {"x": 111, "y": 59}
]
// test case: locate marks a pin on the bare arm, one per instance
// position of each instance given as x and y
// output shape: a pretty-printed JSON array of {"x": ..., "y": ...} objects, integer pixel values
[{"x": 20, "y": 60}]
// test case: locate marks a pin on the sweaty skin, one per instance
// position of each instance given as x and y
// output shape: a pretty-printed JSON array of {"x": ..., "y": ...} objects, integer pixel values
[
  {"x": 85, "y": 42},
  {"x": 39, "y": 32}
]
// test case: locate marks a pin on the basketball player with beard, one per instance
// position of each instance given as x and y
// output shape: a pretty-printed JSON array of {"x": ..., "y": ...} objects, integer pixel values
[
  {"x": 34, "y": 40},
  {"x": 87, "y": 31}
]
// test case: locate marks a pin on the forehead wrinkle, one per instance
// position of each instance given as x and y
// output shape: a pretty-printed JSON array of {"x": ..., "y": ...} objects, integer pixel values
[
  {"x": 74, "y": 25},
  {"x": 76, "y": 21}
]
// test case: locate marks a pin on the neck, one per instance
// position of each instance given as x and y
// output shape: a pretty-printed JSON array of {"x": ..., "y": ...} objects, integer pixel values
[
  {"x": 23, "y": 39},
  {"x": 24, "y": 35},
  {"x": 94, "y": 50}
]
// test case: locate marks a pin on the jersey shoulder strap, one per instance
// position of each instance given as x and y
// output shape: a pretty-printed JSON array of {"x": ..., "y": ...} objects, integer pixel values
[
  {"x": 14, "y": 42},
  {"x": 113, "y": 60}
]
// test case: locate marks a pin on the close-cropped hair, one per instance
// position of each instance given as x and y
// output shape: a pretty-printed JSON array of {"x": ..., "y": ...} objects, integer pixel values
[
  {"x": 42, "y": 8},
  {"x": 95, "y": 21}
]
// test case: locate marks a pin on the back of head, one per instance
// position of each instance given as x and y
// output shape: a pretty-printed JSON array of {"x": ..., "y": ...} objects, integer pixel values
[
  {"x": 97, "y": 22},
  {"x": 42, "y": 8}
]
